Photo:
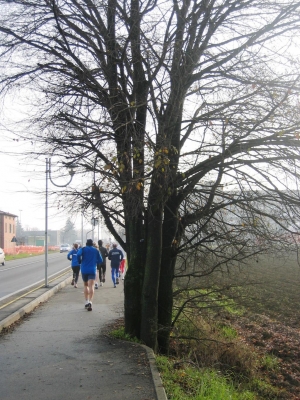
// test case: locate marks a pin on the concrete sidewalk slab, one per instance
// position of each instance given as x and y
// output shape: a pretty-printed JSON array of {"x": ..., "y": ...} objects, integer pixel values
[
  {"x": 61, "y": 352},
  {"x": 28, "y": 303}
]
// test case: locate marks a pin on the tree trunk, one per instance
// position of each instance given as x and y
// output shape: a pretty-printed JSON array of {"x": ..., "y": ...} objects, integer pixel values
[
  {"x": 151, "y": 280},
  {"x": 165, "y": 302},
  {"x": 165, "y": 293},
  {"x": 134, "y": 278}
]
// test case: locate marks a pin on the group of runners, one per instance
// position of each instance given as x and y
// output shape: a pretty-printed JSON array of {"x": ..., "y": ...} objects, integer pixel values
[{"x": 91, "y": 261}]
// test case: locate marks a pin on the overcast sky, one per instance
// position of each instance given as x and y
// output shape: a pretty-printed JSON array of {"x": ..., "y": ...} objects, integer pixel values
[
  {"x": 22, "y": 188},
  {"x": 23, "y": 179}
]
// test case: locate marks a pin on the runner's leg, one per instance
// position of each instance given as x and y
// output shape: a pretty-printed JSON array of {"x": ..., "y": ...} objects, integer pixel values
[
  {"x": 91, "y": 285},
  {"x": 104, "y": 271},
  {"x": 113, "y": 275},
  {"x": 86, "y": 291}
]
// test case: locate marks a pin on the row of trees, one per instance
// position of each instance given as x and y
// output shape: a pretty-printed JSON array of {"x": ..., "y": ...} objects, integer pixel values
[{"x": 186, "y": 112}]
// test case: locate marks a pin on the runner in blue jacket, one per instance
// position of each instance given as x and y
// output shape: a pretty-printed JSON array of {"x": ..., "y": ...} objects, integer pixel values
[
  {"x": 72, "y": 256},
  {"x": 115, "y": 256},
  {"x": 89, "y": 257}
]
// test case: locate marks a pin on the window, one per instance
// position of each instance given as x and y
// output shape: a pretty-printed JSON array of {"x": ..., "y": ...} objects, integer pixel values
[{"x": 9, "y": 228}]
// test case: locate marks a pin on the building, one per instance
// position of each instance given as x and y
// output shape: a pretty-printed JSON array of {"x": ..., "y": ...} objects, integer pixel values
[
  {"x": 7, "y": 230},
  {"x": 37, "y": 238}
]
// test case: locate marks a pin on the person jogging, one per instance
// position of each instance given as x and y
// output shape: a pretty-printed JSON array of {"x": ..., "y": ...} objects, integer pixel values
[
  {"x": 101, "y": 268},
  {"x": 115, "y": 256},
  {"x": 72, "y": 256},
  {"x": 89, "y": 257}
]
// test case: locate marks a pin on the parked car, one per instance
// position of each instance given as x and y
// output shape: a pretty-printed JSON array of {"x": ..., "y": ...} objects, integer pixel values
[
  {"x": 64, "y": 247},
  {"x": 2, "y": 257}
]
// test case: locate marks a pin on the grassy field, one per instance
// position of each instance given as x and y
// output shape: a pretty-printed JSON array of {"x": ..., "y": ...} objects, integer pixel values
[
  {"x": 238, "y": 343},
  {"x": 271, "y": 322},
  {"x": 246, "y": 332},
  {"x": 271, "y": 286}
]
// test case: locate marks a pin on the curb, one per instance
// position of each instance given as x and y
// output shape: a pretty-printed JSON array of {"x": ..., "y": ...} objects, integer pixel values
[
  {"x": 159, "y": 388},
  {"x": 34, "y": 303}
]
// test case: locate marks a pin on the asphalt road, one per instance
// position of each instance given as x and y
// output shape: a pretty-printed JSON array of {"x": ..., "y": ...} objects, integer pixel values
[{"x": 17, "y": 275}]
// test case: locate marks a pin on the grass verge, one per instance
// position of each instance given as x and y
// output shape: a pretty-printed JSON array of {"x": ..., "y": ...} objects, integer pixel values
[
  {"x": 209, "y": 360},
  {"x": 25, "y": 255},
  {"x": 186, "y": 383},
  {"x": 119, "y": 333},
  {"x": 208, "y": 357}
]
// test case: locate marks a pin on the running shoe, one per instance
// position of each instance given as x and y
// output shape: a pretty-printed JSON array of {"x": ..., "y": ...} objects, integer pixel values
[
  {"x": 72, "y": 283},
  {"x": 89, "y": 307},
  {"x": 96, "y": 285}
]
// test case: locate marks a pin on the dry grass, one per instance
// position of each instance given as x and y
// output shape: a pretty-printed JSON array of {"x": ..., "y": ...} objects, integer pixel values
[{"x": 205, "y": 344}]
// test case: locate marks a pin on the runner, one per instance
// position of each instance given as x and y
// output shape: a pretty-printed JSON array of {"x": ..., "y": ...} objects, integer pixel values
[
  {"x": 102, "y": 267},
  {"x": 122, "y": 268},
  {"x": 115, "y": 256},
  {"x": 89, "y": 257},
  {"x": 72, "y": 256}
]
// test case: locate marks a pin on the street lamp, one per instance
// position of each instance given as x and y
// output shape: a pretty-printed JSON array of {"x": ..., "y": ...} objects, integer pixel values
[{"x": 48, "y": 176}]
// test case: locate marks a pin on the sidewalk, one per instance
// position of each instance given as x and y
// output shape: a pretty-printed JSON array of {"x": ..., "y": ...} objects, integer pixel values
[{"x": 60, "y": 351}]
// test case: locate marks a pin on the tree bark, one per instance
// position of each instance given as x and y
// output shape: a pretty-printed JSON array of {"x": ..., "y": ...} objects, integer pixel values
[
  {"x": 165, "y": 293},
  {"x": 134, "y": 277},
  {"x": 151, "y": 280}
]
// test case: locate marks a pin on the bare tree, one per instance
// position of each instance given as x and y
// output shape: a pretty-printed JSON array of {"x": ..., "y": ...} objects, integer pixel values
[
  {"x": 68, "y": 232},
  {"x": 186, "y": 112}
]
